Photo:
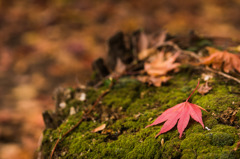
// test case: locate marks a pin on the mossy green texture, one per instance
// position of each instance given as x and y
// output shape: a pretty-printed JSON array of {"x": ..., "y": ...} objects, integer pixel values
[
  {"x": 216, "y": 143},
  {"x": 141, "y": 104}
]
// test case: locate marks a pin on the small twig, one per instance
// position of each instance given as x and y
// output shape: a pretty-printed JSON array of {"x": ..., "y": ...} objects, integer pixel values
[
  {"x": 192, "y": 54},
  {"x": 101, "y": 81},
  {"x": 222, "y": 74},
  {"x": 81, "y": 120}
]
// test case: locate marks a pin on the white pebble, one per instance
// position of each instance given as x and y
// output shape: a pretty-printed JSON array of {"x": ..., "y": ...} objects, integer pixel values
[
  {"x": 62, "y": 105},
  {"x": 82, "y": 97},
  {"x": 72, "y": 111}
]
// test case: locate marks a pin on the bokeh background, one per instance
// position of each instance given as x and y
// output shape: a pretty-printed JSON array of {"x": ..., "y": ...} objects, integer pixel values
[{"x": 45, "y": 44}]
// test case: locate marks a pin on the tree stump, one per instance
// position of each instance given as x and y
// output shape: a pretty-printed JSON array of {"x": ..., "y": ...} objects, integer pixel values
[{"x": 130, "y": 106}]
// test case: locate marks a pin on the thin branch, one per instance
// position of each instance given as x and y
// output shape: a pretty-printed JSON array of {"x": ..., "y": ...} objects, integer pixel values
[
  {"x": 222, "y": 74},
  {"x": 81, "y": 120},
  {"x": 192, "y": 54}
]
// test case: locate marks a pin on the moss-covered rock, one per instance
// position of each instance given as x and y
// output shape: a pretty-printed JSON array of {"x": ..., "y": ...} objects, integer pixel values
[{"x": 136, "y": 105}]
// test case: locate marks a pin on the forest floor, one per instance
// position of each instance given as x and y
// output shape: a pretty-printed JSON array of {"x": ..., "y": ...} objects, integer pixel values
[{"x": 53, "y": 43}]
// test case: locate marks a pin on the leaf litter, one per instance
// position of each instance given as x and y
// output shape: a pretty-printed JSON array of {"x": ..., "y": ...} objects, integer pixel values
[
  {"x": 204, "y": 88},
  {"x": 229, "y": 62},
  {"x": 157, "y": 68}
]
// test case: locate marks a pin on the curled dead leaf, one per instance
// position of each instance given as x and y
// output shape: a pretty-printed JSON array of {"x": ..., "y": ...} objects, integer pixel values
[
  {"x": 100, "y": 128},
  {"x": 222, "y": 59},
  {"x": 204, "y": 88},
  {"x": 162, "y": 141},
  {"x": 237, "y": 147}
]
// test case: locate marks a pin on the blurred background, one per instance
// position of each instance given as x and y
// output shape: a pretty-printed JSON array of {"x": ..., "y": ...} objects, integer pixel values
[{"x": 49, "y": 43}]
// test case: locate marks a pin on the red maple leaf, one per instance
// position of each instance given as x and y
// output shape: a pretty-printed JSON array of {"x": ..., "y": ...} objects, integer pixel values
[{"x": 179, "y": 113}]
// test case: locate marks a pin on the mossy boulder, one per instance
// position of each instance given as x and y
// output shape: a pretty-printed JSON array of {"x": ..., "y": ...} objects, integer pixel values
[{"x": 130, "y": 106}]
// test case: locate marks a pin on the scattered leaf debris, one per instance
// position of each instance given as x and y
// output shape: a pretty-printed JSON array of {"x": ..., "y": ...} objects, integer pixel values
[
  {"x": 222, "y": 59},
  {"x": 100, "y": 128},
  {"x": 204, "y": 88}
]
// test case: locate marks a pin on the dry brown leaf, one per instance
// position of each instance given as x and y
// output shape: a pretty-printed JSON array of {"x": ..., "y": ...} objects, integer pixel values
[
  {"x": 142, "y": 42},
  {"x": 159, "y": 66},
  {"x": 100, "y": 128},
  {"x": 120, "y": 66},
  {"x": 155, "y": 42},
  {"x": 145, "y": 53},
  {"x": 162, "y": 141},
  {"x": 218, "y": 59},
  {"x": 204, "y": 88},
  {"x": 119, "y": 69},
  {"x": 159, "y": 39},
  {"x": 156, "y": 81}
]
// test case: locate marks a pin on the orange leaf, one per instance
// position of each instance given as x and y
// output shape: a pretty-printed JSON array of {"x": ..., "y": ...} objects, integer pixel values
[
  {"x": 156, "y": 81},
  {"x": 158, "y": 66},
  {"x": 218, "y": 59}
]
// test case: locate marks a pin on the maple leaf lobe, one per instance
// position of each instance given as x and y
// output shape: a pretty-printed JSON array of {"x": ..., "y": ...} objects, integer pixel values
[{"x": 179, "y": 113}]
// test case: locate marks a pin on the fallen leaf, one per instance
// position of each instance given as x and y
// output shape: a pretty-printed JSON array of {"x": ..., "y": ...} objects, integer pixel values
[
  {"x": 219, "y": 59},
  {"x": 145, "y": 53},
  {"x": 156, "y": 81},
  {"x": 237, "y": 147},
  {"x": 228, "y": 116},
  {"x": 235, "y": 48},
  {"x": 159, "y": 39},
  {"x": 204, "y": 88},
  {"x": 162, "y": 142},
  {"x": 120, "y": 67},
  {"x": 179, "y": 113},
  {"x": 136, "y": 116},
  {"x": 159, "y": 66},
  {"x": 100, "y": 128},
  {"x": 155, "y": 42},
  {"x": 143, "y": 42}
]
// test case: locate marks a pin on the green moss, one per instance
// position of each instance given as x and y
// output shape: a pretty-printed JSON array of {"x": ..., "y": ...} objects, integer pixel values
[
  {"x": 222, "y": 139},
  {"x": 83, "y": 144},
  {"x": 128, "y": 137},
  {"x": 122, "y": 94},
  {"x": 171, "y": 148},
  {"x": 210, "y": 144}
]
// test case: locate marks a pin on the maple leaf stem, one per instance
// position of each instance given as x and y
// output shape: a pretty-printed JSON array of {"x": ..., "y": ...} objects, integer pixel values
[{"x": 193, "y": 90}]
